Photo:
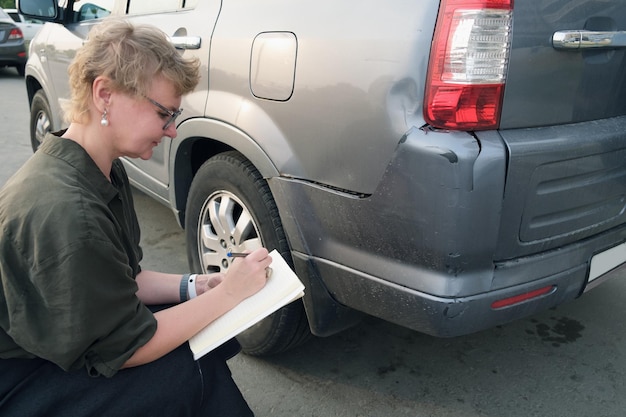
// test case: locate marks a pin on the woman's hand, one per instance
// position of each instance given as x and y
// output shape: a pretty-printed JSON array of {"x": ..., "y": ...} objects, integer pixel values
[
  {"x": 246, "y": 275},
  {"x": 222, "y": 292},
  {"x": 249, "y": 265},
  {"x": 204, "y": 282}
]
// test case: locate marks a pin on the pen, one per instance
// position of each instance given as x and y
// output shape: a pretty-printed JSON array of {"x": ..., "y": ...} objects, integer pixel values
[
  {"x": 236, "y": 254},
  {"x": 230, "y": 254}
]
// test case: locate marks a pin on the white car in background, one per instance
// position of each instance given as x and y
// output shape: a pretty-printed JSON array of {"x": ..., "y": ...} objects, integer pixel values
[{"x": 29, "y": 27}]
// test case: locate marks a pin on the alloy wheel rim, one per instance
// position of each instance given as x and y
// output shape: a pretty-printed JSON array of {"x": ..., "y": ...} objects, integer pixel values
[
  {"x": 42, "y": 126},
  {"x": 225, "y": 224}
]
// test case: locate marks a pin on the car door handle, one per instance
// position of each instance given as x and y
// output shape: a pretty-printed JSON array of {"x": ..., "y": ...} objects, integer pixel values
[
  {"x": 588, "y": 39},
  {"x": 186, "y": 42}
]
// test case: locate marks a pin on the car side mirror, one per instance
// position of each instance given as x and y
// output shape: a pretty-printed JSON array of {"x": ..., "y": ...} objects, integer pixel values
[{"x": 39, "y": 9}]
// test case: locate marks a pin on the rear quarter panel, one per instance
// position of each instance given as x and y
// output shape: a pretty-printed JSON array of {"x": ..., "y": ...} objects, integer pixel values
[{"x": 358, "y": 84}]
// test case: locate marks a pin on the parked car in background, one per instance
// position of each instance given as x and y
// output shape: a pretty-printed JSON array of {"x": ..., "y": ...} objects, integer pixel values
[
  {"x": 447, "y": 165},
  {"x": 29, "y": 26},
  {"x": 12, "y": 47}
]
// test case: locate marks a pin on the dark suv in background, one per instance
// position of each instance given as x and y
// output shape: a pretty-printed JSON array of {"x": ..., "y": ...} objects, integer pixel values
[
  {"x": 12, "y": 47},
  {"x": 445, "y": 165}
]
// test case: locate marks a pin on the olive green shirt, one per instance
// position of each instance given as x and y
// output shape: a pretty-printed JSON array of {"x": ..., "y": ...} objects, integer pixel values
[{"x": 69, "y": 255}]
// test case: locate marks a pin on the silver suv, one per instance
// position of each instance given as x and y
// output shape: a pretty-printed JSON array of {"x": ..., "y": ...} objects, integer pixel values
[{"x": 439, "y": 164}]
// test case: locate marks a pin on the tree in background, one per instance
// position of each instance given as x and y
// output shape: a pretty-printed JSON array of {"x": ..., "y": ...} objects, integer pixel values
[{"x": 7, "y": 4}]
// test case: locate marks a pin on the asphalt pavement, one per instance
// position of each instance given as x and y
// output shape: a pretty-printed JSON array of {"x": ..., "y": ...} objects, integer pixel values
[{"x": 569, "y": 361}]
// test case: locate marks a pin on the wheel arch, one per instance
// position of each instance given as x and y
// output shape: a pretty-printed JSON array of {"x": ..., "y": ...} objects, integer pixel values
[
  {"x": 203, "y": 138},
  {"x": 200, "y": 139},
  {"x": 33, "y": 85}
]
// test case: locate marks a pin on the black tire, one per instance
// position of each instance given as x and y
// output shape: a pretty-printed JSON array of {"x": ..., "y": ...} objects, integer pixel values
[
  {"x": 40, "y": 119},
  {"x": 229, "y": 178},
  {"x": 21, "y": 69}
]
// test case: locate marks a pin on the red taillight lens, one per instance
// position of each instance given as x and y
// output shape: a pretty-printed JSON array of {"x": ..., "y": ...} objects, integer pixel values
[
  {"x": 16, "y": 33},
  {"x": 468, "y": 63}
]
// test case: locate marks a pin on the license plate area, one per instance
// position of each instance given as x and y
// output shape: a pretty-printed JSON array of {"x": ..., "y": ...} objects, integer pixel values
[{"x": 603, "y": 262}]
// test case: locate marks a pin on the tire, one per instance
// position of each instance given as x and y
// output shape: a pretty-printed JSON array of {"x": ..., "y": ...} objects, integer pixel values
[
  {"x": 40, "y": 119},
  {"x": 21, "y": 69},
  {"x": 230, "y": 180}
]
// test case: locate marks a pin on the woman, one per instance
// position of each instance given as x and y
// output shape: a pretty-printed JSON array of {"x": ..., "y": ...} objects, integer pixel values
[{"x": 76, "y": 337}]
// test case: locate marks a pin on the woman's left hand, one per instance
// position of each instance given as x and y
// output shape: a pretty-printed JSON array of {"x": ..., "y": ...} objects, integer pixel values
[{"x": 204, "y": 282}]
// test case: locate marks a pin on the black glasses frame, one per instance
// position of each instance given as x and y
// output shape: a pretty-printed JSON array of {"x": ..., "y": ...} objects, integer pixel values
[{"x": 173, "y": 114}]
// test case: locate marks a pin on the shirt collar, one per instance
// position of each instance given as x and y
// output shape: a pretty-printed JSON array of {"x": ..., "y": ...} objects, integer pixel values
[{"x": 75, "y": 155}]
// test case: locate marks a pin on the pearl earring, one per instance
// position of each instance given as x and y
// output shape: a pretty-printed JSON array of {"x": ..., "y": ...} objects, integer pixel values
[{"x": 104, "y": 121}]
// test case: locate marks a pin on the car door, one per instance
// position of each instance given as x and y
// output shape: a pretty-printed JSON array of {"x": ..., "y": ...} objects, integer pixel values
[
  {"x": 30, "y": 28},
  {"x": 189, "y": 25}
]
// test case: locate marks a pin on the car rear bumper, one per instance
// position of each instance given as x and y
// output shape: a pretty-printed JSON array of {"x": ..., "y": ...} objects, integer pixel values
[
  {"x": 12, "y": 54},
  {"x": 562, "y": 275},
  {"x": 422, "y": 251}
]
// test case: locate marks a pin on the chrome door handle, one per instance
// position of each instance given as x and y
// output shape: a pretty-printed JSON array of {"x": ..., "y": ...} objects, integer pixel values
[
  {"x": 186, "y": 42},
  {"x": 588, "y": 39}
]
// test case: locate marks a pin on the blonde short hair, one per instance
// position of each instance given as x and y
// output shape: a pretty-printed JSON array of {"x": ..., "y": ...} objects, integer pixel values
[{"x": 130, "y": 55}]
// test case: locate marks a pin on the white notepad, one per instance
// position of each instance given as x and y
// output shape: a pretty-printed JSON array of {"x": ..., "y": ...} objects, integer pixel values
[{"x": 282, "y": 287}]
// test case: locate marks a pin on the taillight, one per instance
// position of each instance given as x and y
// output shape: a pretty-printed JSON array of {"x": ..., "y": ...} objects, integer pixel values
[
  {"x": 468, "y": 64},
  {"x": 16, "y": 33}
]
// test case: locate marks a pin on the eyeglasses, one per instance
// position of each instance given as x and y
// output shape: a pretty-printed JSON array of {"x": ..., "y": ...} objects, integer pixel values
[{"x": 172, "y": 114}]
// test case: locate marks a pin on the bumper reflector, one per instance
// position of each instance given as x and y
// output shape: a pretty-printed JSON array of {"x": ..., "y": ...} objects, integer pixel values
[{"x": 517, "y": 299}]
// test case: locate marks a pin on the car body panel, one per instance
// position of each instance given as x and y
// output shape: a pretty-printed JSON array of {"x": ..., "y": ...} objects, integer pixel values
[{"x": 365, "y": 113}]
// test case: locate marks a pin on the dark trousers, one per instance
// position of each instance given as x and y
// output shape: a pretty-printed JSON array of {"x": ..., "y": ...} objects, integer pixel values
[{"x": 172, "y": 386}]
